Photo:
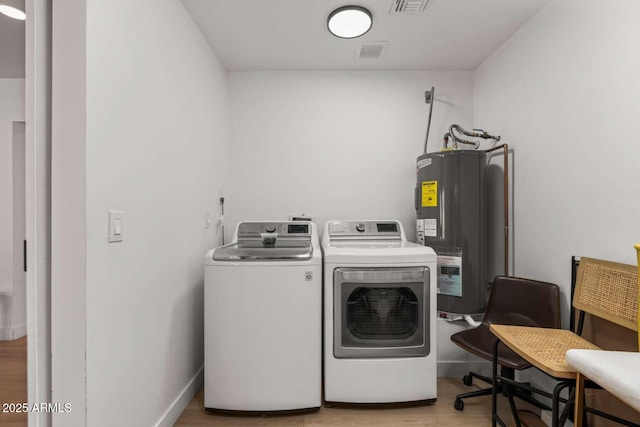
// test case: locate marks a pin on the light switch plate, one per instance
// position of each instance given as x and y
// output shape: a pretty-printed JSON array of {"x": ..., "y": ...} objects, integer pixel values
[
  {"x": 116, "y": 226},
  {"x": 207, "y": 219}
]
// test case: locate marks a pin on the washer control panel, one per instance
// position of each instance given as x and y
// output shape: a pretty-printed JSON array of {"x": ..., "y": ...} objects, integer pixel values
[{"x": 282, "y": 229}]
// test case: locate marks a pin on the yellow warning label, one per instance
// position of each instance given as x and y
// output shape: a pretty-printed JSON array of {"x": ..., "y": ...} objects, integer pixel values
[{"x": 429, "y": 194}]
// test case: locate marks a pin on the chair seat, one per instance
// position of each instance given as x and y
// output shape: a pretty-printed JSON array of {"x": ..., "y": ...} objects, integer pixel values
[
  {"x": 544, "y": 348},
  {"x": 615, "y": 371},
  {"x": 475, "y": 341}
]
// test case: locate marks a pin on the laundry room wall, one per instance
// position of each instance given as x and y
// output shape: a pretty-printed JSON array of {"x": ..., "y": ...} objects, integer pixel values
[
  {"x": 341, "y": 145},
  {"x": 157, "y": 150},
  {"x": 335, "y": 144},
  {"x": 11, "y": 110},
  {"x": 562, "y": 92}
]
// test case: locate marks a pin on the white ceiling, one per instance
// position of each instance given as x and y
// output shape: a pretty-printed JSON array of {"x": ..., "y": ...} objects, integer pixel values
[
  {"x": 292, "y": 34},
  {"x": 12, "y": 44}
]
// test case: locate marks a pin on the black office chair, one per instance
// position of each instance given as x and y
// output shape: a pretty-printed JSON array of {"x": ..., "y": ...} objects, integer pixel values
[{"x": 513, "y": 301}]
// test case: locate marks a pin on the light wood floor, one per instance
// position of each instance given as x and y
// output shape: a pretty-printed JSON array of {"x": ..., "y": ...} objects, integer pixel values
[
  {"x": 13, "y": 380},
  {"x": 477, "y": 413}
]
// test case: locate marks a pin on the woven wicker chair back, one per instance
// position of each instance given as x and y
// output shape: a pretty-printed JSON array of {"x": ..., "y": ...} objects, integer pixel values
[
  {"x": 638, "y": 252},
  {"x": 608, "y": 290}
]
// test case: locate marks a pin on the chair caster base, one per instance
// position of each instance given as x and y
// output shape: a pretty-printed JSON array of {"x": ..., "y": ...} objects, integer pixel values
[
  {"x": 467, "y": 380},
  {"x": 459, "y": 405}
]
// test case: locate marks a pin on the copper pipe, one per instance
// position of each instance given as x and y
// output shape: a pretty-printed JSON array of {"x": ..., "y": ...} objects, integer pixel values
[
  {"x": 429, "y": 99},
  {"x": 505, "y": 148}
]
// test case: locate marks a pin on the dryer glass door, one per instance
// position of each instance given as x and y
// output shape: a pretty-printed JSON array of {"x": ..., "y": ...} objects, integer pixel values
[{"x": 381, "y": 312}]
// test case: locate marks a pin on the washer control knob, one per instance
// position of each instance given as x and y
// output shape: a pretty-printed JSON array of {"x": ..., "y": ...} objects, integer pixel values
[
  {"x": 360, "y": 227},
  {"x": 270, "y": 228}
]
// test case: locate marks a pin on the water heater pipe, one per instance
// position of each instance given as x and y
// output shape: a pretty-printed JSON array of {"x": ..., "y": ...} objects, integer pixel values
[
  {"x": 221, "y": 219},
  {"x": 429, "y": 97},
  {"x": 473, "y": 323},
  {"x": 476, "y": 133},
  {"x": 505, "y": 149}
]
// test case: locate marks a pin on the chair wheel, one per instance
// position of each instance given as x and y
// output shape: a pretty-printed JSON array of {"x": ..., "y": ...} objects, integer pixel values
[
  {"x": 467, "y": 380},
  {"x": 459, "y": 405}
]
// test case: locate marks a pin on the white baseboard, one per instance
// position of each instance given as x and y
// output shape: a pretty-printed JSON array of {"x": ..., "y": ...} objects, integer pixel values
[
  {"x": 455, "y": 369},
  {"x": 11, "y": 334},
  {"x": 19, "y": 331},
  {"x": 180, "y": 403}
]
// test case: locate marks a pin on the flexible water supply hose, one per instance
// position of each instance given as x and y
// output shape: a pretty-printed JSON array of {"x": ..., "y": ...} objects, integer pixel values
[
  {"x": 476, "y": 133},
  {"x": 466, "y": 317},
  {"x": 470, "y": 321}
]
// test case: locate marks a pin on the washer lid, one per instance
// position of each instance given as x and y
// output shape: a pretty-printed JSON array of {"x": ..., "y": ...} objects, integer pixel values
[{"x": 297, "y": 250}]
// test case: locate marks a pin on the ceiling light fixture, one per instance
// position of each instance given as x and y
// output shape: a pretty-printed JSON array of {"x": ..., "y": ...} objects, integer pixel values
[
  {"x": 349, "y": 22},
  {"x": 12, "y": 12}
]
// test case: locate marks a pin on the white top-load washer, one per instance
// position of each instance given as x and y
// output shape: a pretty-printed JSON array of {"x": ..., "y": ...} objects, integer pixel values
[
  {"x": 379, "y": 314},
  {"x": 263, "y": 319}
]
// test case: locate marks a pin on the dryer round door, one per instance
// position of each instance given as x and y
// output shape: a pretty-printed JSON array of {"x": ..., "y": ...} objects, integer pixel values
[{"x": 381, "y": 312}]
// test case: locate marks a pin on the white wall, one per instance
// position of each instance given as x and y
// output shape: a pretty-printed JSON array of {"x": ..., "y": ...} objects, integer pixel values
[
  {"x": 11, "y": 110},
  {"x": 337, "y": 145},
  {"x": 564, "y": 93},
  {"x": 340, "y": 145},
  {"x": 19, "y": 303},
  {"x": 156, "y": 149},
  {"x": 12, "y": 45}
]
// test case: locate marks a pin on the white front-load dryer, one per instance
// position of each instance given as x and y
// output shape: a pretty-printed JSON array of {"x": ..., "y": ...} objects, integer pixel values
[
  {"x": 263, "y": 327},
  {"x": 379, "y": 315}
]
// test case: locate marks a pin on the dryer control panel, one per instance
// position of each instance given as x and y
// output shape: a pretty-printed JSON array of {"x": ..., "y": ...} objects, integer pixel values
[{"x": 375, "y": 229}]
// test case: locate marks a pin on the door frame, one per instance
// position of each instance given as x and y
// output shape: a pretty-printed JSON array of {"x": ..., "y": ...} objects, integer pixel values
[{"x": 38, "y": 204}]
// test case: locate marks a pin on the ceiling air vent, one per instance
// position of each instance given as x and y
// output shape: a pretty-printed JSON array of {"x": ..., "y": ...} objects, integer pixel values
[
  {"x": 371, "y": 50},
  {"x": 409, "y": 6}
]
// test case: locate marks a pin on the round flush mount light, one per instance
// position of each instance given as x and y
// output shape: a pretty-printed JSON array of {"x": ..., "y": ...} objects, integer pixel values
[
  {"x": 349, "y": 22},
  {"x": 12, "y": 12}
]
